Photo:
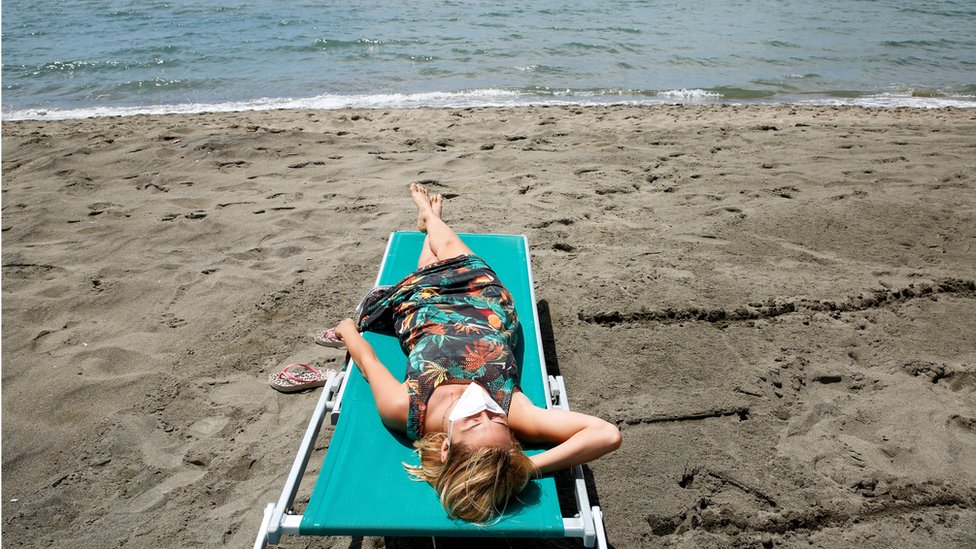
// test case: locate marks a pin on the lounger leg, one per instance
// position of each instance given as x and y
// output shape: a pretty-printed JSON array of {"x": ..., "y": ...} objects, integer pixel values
[
  {"x": 262, "y": 540},
  {"x": 601, "y": 533}
]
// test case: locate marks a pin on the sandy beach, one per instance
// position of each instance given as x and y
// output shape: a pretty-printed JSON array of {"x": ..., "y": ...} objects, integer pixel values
[{"x": 776, "y": 304}]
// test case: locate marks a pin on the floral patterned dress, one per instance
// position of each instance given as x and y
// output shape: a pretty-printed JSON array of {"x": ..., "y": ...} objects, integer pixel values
[{"x": 455, "y": 322}]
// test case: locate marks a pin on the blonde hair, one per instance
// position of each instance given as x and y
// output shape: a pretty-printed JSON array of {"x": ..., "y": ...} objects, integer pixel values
[{"x": 474, "y": 484}]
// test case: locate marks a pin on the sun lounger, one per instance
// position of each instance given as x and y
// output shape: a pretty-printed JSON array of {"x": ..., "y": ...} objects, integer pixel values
[{"x": 363, "y": 490}]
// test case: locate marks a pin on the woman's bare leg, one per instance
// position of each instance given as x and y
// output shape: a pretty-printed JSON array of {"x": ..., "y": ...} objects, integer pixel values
[
  {"x": 427, "y": 255},
  {"x": 443, "y": 242}
]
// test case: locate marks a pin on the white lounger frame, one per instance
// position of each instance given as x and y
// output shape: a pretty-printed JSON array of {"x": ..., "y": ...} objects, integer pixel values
[{"x": 278, "y": 519}]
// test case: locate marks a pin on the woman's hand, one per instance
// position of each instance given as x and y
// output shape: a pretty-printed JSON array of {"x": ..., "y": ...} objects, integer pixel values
[{"x": 347, "y": 327}]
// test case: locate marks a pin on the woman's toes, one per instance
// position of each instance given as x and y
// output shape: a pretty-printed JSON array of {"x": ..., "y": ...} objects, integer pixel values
[
  {"x": 418, "y": 189},
  {"x": 437, "y": 204}
]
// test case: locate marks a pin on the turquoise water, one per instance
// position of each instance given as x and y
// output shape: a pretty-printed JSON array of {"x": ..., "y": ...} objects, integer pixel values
[{"x": 85, "y": 57}]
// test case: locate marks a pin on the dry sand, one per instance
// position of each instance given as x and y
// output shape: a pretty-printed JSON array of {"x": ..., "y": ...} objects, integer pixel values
[{"x": 776, "y": 304}]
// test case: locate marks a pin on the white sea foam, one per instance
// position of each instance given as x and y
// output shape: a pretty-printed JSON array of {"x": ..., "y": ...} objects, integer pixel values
[
  {"x": 462, "y": 99},
  {"x": 690, "y": 95},
  {"x": 895, "y": 100},
  {"x": 482, "y": 98},
  {"x": 470, "y": 98}
]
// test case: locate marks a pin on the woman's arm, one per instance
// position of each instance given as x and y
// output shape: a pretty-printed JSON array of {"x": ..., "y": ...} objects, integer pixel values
[
  {"x": 580, "y": 438},
  {"x": 390, "y": 395}
]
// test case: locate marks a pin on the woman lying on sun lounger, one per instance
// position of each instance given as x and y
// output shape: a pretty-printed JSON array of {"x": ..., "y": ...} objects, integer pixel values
[{"x": 461, "y": 401}]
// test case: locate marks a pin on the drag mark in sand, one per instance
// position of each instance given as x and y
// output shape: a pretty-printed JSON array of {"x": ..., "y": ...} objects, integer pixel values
[
  {"x": 713, "y": 484},
  {"x": 689, "y": 477},
  {"x": 710, "y": 514},
  {"x": 741, "y": 411},
  {"x": 773, "y": 308}
]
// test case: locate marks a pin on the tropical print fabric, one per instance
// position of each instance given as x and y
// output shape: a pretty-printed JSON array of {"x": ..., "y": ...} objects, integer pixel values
[{"x": 455, "y": 321}]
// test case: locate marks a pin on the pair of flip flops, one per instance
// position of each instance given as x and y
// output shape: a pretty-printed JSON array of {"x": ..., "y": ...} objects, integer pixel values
[{"x": 298, "y": 377}]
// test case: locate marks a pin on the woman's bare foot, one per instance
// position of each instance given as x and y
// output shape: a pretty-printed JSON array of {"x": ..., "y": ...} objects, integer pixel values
[
  {"x": 424, "y": 209},
  {"x": 437, "y": 204}
]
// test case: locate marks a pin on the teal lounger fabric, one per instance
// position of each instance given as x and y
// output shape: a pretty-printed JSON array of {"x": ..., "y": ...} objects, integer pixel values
[{"x": 363, "y": 488}]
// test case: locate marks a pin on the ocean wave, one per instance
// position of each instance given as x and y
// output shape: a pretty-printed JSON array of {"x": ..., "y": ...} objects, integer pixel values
[
  {"x": 781, "y": 44},
  {"x": 470, "y": 98},
  {"x": 896, "y": 100},
  {"x": 742, "y": 94},
  {"x": 916, "y": 44},
  {"x": 159, "y": 83},
  {"x": 73, "y": 67},
  {"x": 496, "y": 97},
  {"x": 690, "y": 95},
  {"x": 572, "y": 48},
  {"x": 328, "y": 44}
]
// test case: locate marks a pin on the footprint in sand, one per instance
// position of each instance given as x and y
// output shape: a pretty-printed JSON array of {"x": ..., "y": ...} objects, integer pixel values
[{"x": 172, "y": 321}]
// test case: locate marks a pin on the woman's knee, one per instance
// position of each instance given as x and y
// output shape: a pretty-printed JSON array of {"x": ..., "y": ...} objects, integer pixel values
[{"x": 452, "y": 247}]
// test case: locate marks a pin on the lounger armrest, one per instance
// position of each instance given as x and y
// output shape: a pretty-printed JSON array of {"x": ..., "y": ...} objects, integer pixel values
[
  {"x": 555, "y": 392},
  {"x": 336, "y": 405}
]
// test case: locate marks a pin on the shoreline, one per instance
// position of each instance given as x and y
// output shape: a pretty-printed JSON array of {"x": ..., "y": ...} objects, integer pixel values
[
  {"x": 773, "y": 302},
  {"x": 503, "y": 98}
]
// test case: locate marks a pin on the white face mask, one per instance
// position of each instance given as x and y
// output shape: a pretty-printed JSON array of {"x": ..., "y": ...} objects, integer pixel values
[{"x": 473, "y": 401}]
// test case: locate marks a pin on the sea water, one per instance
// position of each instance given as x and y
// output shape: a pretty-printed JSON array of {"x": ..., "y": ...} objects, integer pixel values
[{"x": 77, "y": 58}]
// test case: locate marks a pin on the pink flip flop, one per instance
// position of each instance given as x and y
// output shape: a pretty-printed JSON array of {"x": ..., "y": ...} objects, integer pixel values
[
  {"x": 298, "y": 377},
  {"x": 328, "y": 338}
]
